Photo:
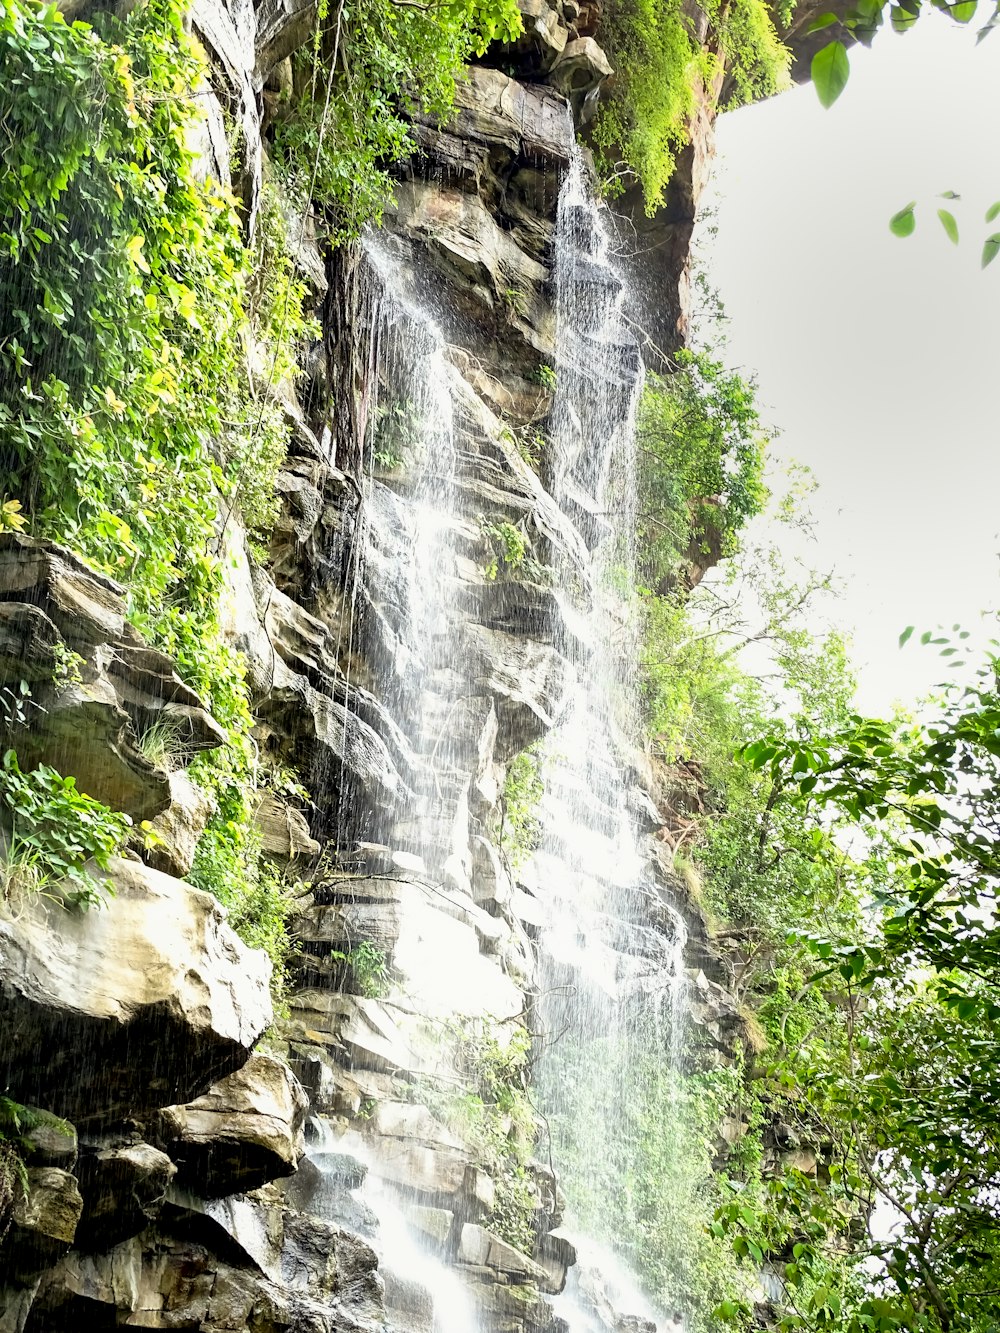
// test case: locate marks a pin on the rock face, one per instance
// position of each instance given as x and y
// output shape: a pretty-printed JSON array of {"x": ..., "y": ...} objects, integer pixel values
[
  {"x": 96, "y": 687},
  {"x": 243, "y": 1132},
  {"x": 397, "y": 663},
  {"x": 107, "y": 1014}
]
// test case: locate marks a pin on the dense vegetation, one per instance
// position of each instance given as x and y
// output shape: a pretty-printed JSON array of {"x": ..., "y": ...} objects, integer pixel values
[
  {"x": 661, "y": 67},
  {"x": 368, "y": 73}
]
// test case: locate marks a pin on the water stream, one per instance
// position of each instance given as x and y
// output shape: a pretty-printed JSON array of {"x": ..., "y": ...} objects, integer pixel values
[
  {"x": 611, "y": 951},
  {"x": 610, "y": 948}
]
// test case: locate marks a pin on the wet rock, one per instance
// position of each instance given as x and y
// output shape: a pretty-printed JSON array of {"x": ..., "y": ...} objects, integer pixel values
[
  {"x": 579, "y": 70},
  {"x": 123, "y": 1187},
  {"x": 486, "y": 1250},
  {"x": 47, "y": 1140},
  {"x": 530, "y": 682},
  {"x": 111, "y": 1013},
  {"x": 244, "y": 1131},
  {"x": 328, "y": 1263},
  {"x": 284, "y": 833},
  {"x": 324, "y": 1185},
  {"x": 555, "y": 1255},
  {"x": 228, "y": 29},
  {"x": 543, "y": 39},
  {"x": 523, "y": 119},
  {"x": 282, "y": 27},
  {"x": 434, "y": 1225},
  {"x": 504, "y": 1309},
  {"x": 180, "y": 826},
  {"x": 45, "y": 1217}
]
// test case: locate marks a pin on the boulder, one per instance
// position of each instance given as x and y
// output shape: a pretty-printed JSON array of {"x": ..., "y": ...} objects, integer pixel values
[
  {"x": 45, "y": 1217},
  {"x": 108, "y": 1014},
  {"x": 543, "y": 37},
  {"x": 180, "y": 826},
  {"x": 579, "y": 69},
  {"x": 483, "y": 1249},
  {"x": 555, "y": 1255},
  {"x": 244, "y": 1131},
  {"x": 284, "y": 833},
  {"x": 505, "y": 1309},
  {"x": 123, "y": 1187}
]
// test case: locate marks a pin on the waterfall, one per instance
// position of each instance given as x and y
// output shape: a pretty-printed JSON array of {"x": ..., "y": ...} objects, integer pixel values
[
  {"x": 424, "y": 1292},
  {"x": 609, "y": 966},
  {"x": 611, "y": 951}
]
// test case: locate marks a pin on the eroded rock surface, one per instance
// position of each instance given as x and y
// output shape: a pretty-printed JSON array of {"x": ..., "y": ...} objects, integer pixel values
[{"x": 110, "y": 1013}]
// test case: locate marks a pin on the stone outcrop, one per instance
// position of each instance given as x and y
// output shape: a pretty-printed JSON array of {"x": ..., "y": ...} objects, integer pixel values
[
  {"x": 107, "y": 1014},
  {"x": 243, "y": 1132},
  {"x": 96, "y": 687}
]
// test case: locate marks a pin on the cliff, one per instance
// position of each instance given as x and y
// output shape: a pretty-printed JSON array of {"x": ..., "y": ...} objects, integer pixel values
[{"x": 428, "y": 602}]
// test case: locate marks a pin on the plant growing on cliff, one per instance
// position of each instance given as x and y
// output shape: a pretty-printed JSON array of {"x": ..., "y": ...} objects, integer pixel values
[
  {"x": 701, "y": 463},
  {"x": 132, "y": 424},
  {"x": 507, "y": 544},
  {"x": 522, "y": 791},
  {"x": 55, "y": 831},
  {"x": 661, "y": 71},
  {"x": 369, "y": 75}
]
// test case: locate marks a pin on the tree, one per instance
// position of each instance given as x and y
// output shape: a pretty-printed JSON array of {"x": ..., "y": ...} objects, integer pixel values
[{"x": 911, "y": 1093}]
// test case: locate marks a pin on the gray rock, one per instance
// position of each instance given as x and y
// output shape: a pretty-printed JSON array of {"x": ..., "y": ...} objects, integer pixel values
[
  {"x": 244, "y": 1131},
  {"x": 555, "y": 1255},
  {"x": 284, "y": 833},
  {"x": 45, "y": 1217},
  {"x": 579, "y": 69},
  {"x": 180, "y": 826},
  {"x": 485, "y": 1250},
  {"x": 123, "y": 1187},
  {"x": 85, "y": 722},
  {"x": 110, "y": 1013}
]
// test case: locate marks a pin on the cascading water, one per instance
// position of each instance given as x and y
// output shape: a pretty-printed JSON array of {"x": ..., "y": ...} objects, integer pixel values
[
  {"x": 433, "y": 1296},
  {"x": 611, "y": 948},
  {"x": 610, "y": 965}
]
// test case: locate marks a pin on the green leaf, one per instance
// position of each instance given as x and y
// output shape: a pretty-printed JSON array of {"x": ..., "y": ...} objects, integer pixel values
[
  {"x": 824, "y": 21},
  {"x": 903, "y": 223},
  {"x": 993, "y": 211},
  {"x": 949, "y": 194},
  {"x": 904, "y": 637},
  {"x": 991, "y": 248},
  {"x": 949, "y": 224},
  {"x": 830, "y": 71},
  {"x": 964, "y": 12}
]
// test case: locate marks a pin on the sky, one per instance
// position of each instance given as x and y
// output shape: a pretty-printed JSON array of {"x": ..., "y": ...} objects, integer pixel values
[{"x": 877, "y": 358}]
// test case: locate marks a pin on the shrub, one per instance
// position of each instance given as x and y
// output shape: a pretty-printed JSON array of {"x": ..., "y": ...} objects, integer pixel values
[{"x": 55, "y": 831}]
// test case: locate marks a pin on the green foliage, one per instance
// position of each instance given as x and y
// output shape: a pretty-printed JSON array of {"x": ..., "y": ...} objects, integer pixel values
[
  {"x": 644, "y": 121},
  {"x": 396, "y": 434},
  {"x": 366, "y": 963},
  {"x": 55, "y": 831},
  {"x": 831, "y": 67},
  {"x": 229, "y": 864},
  {"x": 911, "y": 1086},
  {"x": 522, "y": 791},
  {"x": 133, "y": 416},
  {"x": 507, "y": 543},
  {"x": 701, "y": 444},
  {"x": 373, "y": 71}
]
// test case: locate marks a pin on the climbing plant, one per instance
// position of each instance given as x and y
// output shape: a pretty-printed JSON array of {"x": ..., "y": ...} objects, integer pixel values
[
  {"x": 661, "y": 71},
  {"x": 132, "y": 428},
  {"x": 369, "y": 73}
]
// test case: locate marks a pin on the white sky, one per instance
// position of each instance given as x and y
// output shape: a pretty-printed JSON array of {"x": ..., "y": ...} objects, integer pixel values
[{"x": 878, "y": 358}]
